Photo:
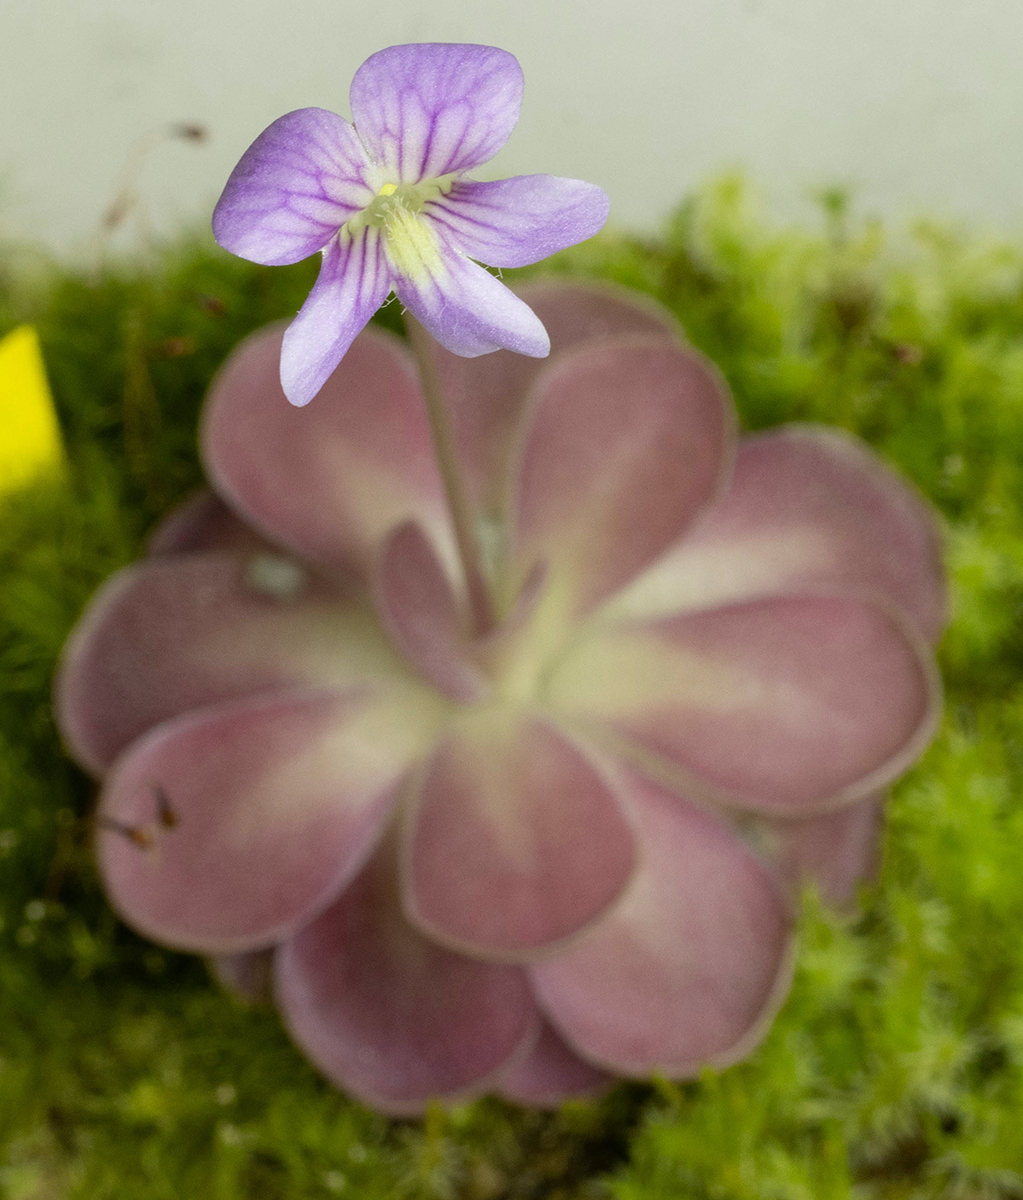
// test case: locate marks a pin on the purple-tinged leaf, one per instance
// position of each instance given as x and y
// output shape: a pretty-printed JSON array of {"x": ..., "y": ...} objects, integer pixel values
[
  {"x": 392, "y": 1017},
  {"x": 836, "y": 851},
  {"x": 625, "y": 443},
  {"x": 487, "y": 394},
  {"x": 421, "y": 613},
  {"x": 689, "y": 968},
  {"x": 551, "y": 1075},
  {"x": 783, "y": 705},
  {"x": 172, "y": 634},
  {"x": 807, "y": 508},
  {"x": 330, "y": 480},
  {"x": 229, "y": 828},
  {"x": 515, "y": 840},
  {"x": 204, "y": 522}
]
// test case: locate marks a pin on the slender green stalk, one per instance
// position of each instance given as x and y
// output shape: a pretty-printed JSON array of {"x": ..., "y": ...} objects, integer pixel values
[{"x": 481, "y": 604}]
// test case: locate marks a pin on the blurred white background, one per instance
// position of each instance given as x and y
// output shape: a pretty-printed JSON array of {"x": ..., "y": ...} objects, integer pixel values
[{"x": 917, "y": 104}]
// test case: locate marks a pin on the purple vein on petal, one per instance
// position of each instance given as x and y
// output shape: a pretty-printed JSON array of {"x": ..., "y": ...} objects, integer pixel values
[
  {"x": 295, "y": 186},
  {"x": 431, "y": 109},
  {"x": 518, "y": 221},
  {"x": 353, "y": 282},
  {"x": 468, "y": 311}
]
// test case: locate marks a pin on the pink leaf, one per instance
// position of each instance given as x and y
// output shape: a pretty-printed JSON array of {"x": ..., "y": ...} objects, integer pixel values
[
  {"x": 391, "y": 1016},
  {"x": 516, "y": 840},
  {"x": 690, "y": 967}
]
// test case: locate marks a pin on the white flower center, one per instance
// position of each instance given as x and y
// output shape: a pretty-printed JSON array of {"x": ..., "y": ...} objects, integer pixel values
[{"x": 412, "y": 243}]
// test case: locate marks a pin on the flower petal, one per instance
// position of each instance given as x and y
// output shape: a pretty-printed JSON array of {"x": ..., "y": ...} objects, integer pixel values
[
  {"x": 487, "y": 394},
  {"x": 227, "y": 829},
  {"x": 171, "y": 634},
  {"x": 781, "y": 705},
  {"x": 429, "y": 109},
  {"x": 518, "y": 221},
  {"x": 807, "y": 507},
  {"x": 352, "y": 284},
  {"x": 516, "y": 839},
  {"x": 421, "y": 614},
  {"x": 293, "y": 189},
  {"x": 550, "y": 1075},
  {"x": 467, "y": 310},
  {"x": 690, "y": 967},
  {"x": 625, "y": 443},
  {"x": 332, "y": 479},
  {"x": 391, "y": 1016},
  {"x": 836, "y": 851}
]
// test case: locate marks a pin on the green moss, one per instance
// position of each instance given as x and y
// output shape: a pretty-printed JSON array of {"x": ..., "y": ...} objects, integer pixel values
[{"x": 896, "y": 1067}]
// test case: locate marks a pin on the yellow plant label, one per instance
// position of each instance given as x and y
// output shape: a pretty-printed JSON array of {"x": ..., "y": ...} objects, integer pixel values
[{"x": 30, "y": 441}]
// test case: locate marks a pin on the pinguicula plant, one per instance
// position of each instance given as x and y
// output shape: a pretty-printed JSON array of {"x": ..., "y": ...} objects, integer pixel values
[{"x": 495, "y": 708}]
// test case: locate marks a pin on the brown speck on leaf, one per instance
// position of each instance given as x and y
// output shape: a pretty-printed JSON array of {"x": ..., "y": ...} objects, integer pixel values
[
  {"x": 134, "y": 833},
  {"x": 177, "y": 347},
  {"x": 907, "y": 352},
  {"x": 168, "y": 817},
  {"x": 212, "y": 304}
]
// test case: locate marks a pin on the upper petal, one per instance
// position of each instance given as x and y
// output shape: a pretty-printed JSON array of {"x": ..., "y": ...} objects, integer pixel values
[
  {"x": 624, "y": 444},
  {"x": 429, "y": 109},
  {"x": 293, "y": 189},
  {"x": 353, "y": 282},
  {"x": 487, "y": 394},
  {"x": 329, "y": 480},
  {"x": 781, "y": 705},
  {"x": 515, "y": 222},
  {"x": 180, "y": 632},
  {"x": 466, "y": 309},
  {"x": 687, "y": 970},
  {"x": 229, "y": 828},
  {"x": 515, "y": 839},
  {"x": 391, "y": 1016},
  {"x": 806, "y": 507}
]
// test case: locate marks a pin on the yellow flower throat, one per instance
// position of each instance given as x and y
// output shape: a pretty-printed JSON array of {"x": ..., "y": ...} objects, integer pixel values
[{"x": 412, "y": 243}]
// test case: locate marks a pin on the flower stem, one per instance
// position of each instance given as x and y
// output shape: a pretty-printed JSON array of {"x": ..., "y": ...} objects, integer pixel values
[{"x": 481, "y": 604}]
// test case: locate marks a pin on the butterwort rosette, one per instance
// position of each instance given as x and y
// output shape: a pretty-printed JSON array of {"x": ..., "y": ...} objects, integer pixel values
[
  {"x": 388, "y": 200},
  {"x": 564, "y": 850}
]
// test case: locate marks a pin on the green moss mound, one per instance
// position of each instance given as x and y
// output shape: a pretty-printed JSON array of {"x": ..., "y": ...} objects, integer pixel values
[{"x": 896, "y": 1067}]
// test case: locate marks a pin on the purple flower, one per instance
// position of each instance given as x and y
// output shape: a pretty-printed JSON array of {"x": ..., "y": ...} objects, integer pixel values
[
  {"x": 388, "y": 202},
  {"x": 564, "y": 850}
]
